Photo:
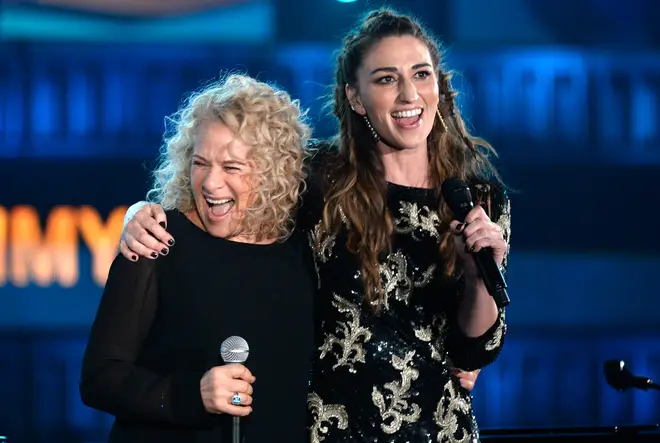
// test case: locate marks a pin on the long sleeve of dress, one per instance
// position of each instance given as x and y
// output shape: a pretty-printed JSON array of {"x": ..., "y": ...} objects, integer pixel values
[
  {"x": 470, "y": 353},
  {"x": 111, "y": 379}
]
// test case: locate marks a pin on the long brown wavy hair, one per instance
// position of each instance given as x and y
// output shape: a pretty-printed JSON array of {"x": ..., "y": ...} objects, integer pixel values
[{"x": 356, "y": 189}]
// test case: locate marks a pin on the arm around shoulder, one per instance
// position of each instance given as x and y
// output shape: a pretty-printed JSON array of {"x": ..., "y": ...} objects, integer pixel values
[
  {"x": 144, "y": 233},
  {"x": 133, "y": 209}
]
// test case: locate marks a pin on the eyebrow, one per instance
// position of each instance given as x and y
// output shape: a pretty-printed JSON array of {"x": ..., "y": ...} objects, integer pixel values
[{"x": 393, "y": 69}]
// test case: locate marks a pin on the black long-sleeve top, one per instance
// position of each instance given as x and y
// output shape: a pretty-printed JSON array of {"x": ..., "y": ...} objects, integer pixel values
[
  {"x": 384, "y": 375},
  {"x": 160, "y": 325}
]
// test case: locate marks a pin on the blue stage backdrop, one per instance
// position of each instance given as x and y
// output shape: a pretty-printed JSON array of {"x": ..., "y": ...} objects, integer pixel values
[{"x": 578, "y": 132}]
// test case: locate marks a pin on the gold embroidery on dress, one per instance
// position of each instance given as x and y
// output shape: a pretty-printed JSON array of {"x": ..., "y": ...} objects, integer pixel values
[
  {"x": 438, "y": 346},
  {"x": 424, "y": 334},
  {"x": 394, "y": 278},
  {"x": 447, "y": 414},
  {"x": 397, "y": 283},
  {"x": 353, "y": 336},
  {"x": 496, "y": 341},
  {"x": 504, "y": 222},
  {"x": 324, "y": 414},
  {"x": 413, "y": 218},
  {"x": 399, "y": 410},
  {"x": 427, "y": 276},
  {"x": 322, "y": 251},
  {"x": 436, "y": 353}
]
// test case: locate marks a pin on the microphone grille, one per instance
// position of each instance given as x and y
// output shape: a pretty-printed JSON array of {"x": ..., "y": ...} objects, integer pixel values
[
  {"x": 452, "y": 184},
  {"x": 234, "y": 350}
]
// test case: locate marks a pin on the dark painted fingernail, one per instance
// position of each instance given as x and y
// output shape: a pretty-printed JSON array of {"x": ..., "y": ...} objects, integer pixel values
[
  {"x": 164, "y": 251},
  {"x": 163, "y": 224},
  {"x": 154, "y": 255},
  {"x": 472, "y": 248},
  {"x": 134, "y": 257},
  {"x": 170, "y": 242}
]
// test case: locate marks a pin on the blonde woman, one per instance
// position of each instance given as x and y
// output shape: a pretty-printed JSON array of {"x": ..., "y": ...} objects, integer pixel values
[{"x": 229, "y": 179}]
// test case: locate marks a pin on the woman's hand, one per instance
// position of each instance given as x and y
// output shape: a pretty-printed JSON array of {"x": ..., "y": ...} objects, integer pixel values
[
  {"x": 474, "y": 234},
  {"x": 144, "y": 232},
  {"x": 220, "y": 384},
  {"x": 467, "y": 379}
]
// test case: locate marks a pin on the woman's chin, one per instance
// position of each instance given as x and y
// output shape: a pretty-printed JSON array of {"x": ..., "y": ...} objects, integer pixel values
[
  {"x": 217, "y": 230},
  {"x": 217, "y": 226},
  {"x": 405, "y": 143}
]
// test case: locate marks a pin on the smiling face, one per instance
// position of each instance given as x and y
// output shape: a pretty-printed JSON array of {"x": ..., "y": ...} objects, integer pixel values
[
  {"x": 397, "y": 89},
  {"x": 220, "y": 179}
]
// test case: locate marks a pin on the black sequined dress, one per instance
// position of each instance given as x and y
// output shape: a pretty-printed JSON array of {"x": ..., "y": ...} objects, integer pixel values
[{"x": 385, "y": 376}]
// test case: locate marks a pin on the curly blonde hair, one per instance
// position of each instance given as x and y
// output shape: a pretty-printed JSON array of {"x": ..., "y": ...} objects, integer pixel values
[{"x": 262, "y": 117}]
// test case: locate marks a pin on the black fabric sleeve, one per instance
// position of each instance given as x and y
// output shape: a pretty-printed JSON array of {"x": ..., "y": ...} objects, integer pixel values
[
  {"x": 111, "y": 380},
  {"x": 470, "y": 353}
]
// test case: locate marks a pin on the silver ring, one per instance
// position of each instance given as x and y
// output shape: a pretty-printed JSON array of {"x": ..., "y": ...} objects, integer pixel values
[{"x": 236, "y": 400}]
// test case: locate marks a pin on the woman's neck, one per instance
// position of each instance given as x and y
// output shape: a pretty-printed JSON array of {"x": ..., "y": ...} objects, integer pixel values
[
  {"x": 194, "y": 217},
  {"x": 407, "y": 167}
]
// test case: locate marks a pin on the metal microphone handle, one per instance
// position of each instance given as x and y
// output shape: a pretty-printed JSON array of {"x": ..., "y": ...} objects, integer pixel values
[{"x": 236, "y": 429}]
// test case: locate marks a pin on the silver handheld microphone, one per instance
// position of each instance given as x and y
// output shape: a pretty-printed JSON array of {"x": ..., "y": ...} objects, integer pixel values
[{"x": 235, "y": 350}]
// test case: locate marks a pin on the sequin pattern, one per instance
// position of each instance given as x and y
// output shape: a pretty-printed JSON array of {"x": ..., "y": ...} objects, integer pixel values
[
  {"x": 496, "y": 341},
  {"x": 504, "y": 222},
  {"x": 323, "y": 415},
  {"x": 398, "y": 282},
  {"x": 452, "y": 409},
  {"x": 398, "y": 409},
  {"x": 349, "y": 336},
  {"x": 414, "y": 220},
  {"x": 434, "y": 335},
  {"x": 383, "y": 375}
]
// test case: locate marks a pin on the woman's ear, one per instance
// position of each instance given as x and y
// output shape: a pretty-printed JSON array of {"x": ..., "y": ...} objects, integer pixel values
[{"x": 354, "y": 100}]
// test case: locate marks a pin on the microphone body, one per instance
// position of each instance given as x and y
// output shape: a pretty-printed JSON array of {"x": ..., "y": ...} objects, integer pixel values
[
  {"x": 235, "y": 350},
  {"x": 236, "y": 429},
  {"x": 459, "y": 199}
]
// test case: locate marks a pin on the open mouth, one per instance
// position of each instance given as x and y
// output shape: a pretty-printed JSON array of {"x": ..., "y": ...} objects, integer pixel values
[
  {"x": 220, "y": 208},
  {"x": 408, "y": 118}
]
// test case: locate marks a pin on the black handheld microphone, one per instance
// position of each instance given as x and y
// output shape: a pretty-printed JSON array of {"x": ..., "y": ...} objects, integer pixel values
[
  {"x": 235, "y": 350},
  {"x": 459, "y": 199}
]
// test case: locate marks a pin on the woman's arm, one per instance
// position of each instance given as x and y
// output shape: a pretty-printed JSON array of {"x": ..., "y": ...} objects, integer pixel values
[
  {"x": 478, "y": 327},
  {"x": 111, "y": 380},
  {"x": 144, "y": 233}
]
